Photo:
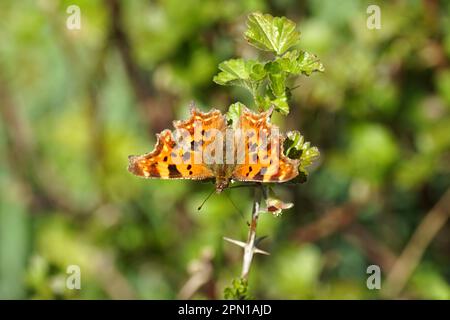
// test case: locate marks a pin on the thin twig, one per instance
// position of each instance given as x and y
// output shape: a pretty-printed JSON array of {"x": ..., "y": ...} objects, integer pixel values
[
  {"x": 376, "y": 251},
  {"x": 201, "y": 272},
  {"x": 333, "y": 220},
  {"x": 414, "y": 250}
]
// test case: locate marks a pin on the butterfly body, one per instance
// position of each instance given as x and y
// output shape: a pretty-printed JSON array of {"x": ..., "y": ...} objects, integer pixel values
[
  {"x": 204, "y": 147},
  {"x": 223, "y": 174}
]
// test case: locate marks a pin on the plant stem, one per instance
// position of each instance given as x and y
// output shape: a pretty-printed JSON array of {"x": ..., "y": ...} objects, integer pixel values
[
  {"x": 409, "y": 259},
  {"x": 249, "y": 248}
]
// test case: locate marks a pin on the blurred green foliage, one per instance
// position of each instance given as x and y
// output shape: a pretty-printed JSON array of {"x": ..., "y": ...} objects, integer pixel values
[{"x": 75, "y": 103}]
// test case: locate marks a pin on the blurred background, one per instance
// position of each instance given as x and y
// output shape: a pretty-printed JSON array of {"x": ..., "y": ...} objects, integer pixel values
[{"x": 75, "y": 103}]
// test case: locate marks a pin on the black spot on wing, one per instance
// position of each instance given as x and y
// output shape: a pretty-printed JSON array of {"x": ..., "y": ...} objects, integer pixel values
[{"x": 173, "y": 171}]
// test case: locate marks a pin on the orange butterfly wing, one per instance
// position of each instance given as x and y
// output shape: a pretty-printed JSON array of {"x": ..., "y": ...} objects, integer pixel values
[
  {"x": 171, "y": 161},
  {"x": 201, "y": 131},
  {"x": 264, "y": 159}
]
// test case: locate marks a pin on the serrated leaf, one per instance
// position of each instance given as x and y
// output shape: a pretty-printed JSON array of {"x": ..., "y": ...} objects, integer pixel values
[
  {"x": 292, "y": 144},
  {"x": 268, "y": 33},
  {"x": 302, "y": 62},
  {"x": 295, "y": 147},
  {"x": 281, "y": 105},
  {"x": 309, "y": 63},
  {"x": 239, "y": 72},
  {"x": 233, "y": 72},
  {"x": 309, "y": 155}
]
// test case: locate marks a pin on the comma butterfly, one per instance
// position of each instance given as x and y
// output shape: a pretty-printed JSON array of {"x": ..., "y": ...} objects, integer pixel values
[{"x": 206, "y": 147}]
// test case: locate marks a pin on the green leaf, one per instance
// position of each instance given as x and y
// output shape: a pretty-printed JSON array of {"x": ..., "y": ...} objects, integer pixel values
[
  {"x": 300, "y": 62},
  {"x": 263, "y": 102},
  {"x": 273, "y": 66},
  {"x": 257, "y": 70},
  {"x": 268, "y": 33},
  {"x": 281, "y": 105},
  {"x": 278, "y": 84},
  {"x": 277, "y": 78},
  {"x": 292, "y": 145},
  {"x": 288, "y": 62},
  {"x": 295, "y": 147},
  {"x": 234, "y": 112},
  {"x": 239, "y": 72},
  {"x": 237, "y": 291},
  {"x": 309, "y": 63},
  {"x": 309, "y": 155},
  {"x": 233, "y": 72}
]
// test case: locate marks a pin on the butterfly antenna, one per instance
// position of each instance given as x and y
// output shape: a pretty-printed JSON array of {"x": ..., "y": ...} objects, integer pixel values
[
  {"x": 204, "y": 201},
  {"x": 234, "y": 205}
]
